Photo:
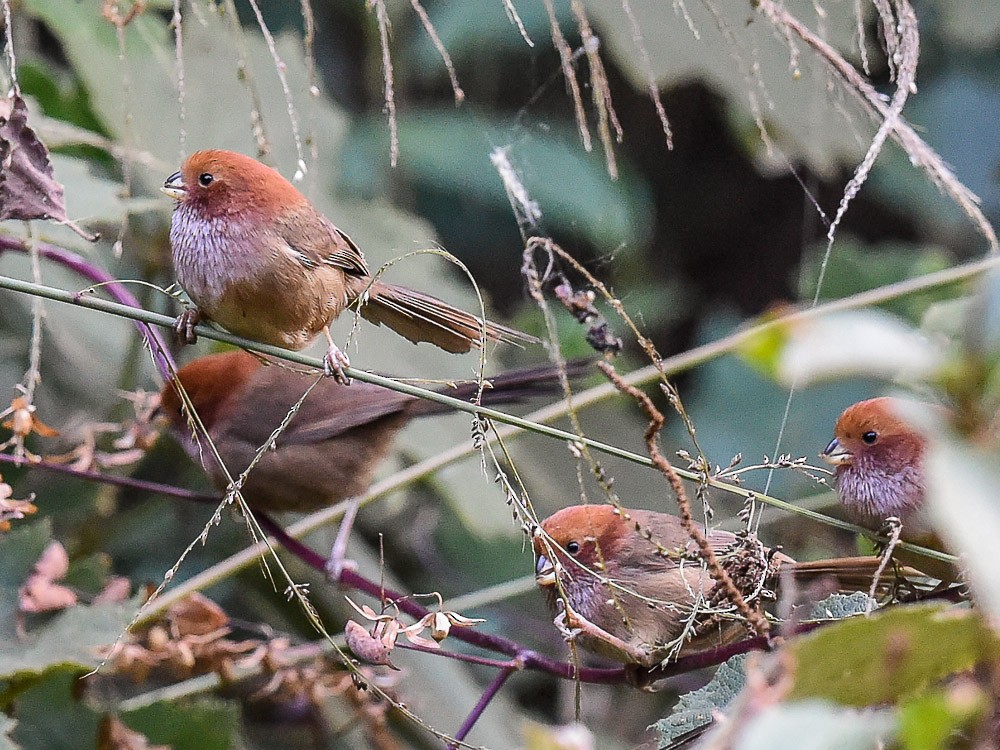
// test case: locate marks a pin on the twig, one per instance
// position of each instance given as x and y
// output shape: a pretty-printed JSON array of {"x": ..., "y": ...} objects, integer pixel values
[
  {"x": 484, "y": 700},
  {"x": 656, "y": 420},
  {"x": 388, "y": 89},
  {"x": 113, "y": 479},
  {"x": 441, "y": 49},
  {"x": 921, "y": 155},
  {"x": 115, "y": 289},
  {"x": 566, "y": 59},
  {"x": 677, "y": 363},
  {"x": 351, "y": 579}
]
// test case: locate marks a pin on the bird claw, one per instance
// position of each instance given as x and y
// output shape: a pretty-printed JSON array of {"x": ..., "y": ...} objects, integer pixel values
[
  {"x": 565, "y": 628},
  {"x": 184, "y": 325},
  {"x": 334, "y": 362},
  {"x": 335, "y": 566},
  {"x": 337, "y": 562}
]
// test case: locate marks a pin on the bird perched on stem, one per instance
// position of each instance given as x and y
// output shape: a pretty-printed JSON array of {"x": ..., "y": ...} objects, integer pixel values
[
  {"x": 332, "y": 446},
  {"x": 629, "y": 584},
  {"x": 880, "y": 476},
  {"x": 258, "y": 259}
]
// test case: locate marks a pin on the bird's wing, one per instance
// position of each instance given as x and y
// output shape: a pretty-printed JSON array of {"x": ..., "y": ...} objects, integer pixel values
[
  {"x": 317, "y": 241},
  {"x": 329, "y": 411}
]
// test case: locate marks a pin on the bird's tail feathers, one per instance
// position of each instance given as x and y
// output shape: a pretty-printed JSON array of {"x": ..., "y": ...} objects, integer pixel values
[
  {"x": 849, "y": 573},
  {"x": 420, "y": 317},
  {"x": 510, "y": 387}
]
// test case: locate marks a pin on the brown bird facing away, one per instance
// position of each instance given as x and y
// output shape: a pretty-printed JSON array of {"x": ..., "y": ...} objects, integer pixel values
[
  {"x": 880, "y": 476},
  {"x": 258, "y": 259},
  {"x": 332, "y": 446},
  {"x": 638, "y": 591}
]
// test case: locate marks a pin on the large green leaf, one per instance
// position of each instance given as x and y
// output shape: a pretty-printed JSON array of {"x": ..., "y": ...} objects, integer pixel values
[
  {"x": 71, "y": 638},
  {"x": 448, "y": 150},
  {"x": 856, "y": 343},
  {"x": 864, "y": 661},
  {"x": 469, "y": 27},
  {"x": 698, "y": 708},
  {"x": 51, "y": 715},
  {"x": 962, "y": 497},
  {"x": 187, "y": 725}
]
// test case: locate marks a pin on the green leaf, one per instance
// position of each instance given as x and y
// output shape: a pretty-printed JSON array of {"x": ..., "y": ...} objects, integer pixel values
[
  {"x": 64, "y": 100},
  {"x": 188, "y": 725},
  {"x": 50, "y": 716},
  {"x": 815, "y": 725},
  {"x": 450, "y": 150},
  {"x": 730, "y": 41},
  {"x": 469, "y": 27},
  {"x": 218, "y": 115},
  {"x": 696, "y": 709},
  {"x": 839, "y": 606},
  {"x": 928, "y": 721},
  {"x": 863, "y": 661},
  {"x": 20, "y": 549},
  {"x": 70, "y": 639},
  {"x": 854, "y": 267},
  {"x": 762, "y": 351},
  {"x": 857, "y": 343}
]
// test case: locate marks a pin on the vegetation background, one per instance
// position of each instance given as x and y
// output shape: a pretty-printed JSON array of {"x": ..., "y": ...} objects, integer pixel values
[{"x": 704, "y": 230}]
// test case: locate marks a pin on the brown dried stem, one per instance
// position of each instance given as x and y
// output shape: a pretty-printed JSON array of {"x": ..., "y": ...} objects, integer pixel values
[{"x": 660, "y": 462}]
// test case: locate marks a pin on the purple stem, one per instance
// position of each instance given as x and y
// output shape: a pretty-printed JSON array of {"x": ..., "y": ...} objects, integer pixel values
[
  {"x": 115, "y": 289},
  {"x": 481, "y": 661},
  {"x": 521, "y": 657},
  {"x": 496, "y": 643},
  {"x": 484, "y": 700},
  {"x": 93, "y": 476}
]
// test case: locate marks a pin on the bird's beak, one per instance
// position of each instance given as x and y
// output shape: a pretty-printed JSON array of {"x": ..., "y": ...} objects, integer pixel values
[
  {"x": 174, "y": 187},
  {"x": 836, "y": 454},
  {"x": 545, "y": 572}
]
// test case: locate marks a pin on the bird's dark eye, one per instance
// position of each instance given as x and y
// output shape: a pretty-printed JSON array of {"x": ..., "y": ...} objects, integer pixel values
[
  {"x": 572, "y": 547},
  {"x": 870, "y": 437},
  {"x": 205, "y": 179}
]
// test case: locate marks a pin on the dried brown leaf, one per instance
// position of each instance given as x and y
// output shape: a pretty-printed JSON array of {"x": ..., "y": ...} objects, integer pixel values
[
  {"x": 11, "y": 509},
  {"x": 367, "y": 647},
  {"x": 21, "y": 418},
  {"x": 40, "y": 594},
  {"x": 196, "y": 615},
  {"x": 115, "y": 590},
  {"x": 28, "y": 188}
]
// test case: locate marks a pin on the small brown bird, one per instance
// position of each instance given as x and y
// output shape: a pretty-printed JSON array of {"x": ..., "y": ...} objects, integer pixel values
[
  {"x": 638, "y": 591},
  {"x": 258, "y": 259},
  {"x": 880, "y": 475},
  {"x": 332, "y": 446},
  {"x": 879, "y": 463}
]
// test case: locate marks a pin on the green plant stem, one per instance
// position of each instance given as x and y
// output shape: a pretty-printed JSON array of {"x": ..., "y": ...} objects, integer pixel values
[
  {"x": 533, "y": 421},
  {"x": 146, "y": 316}
]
